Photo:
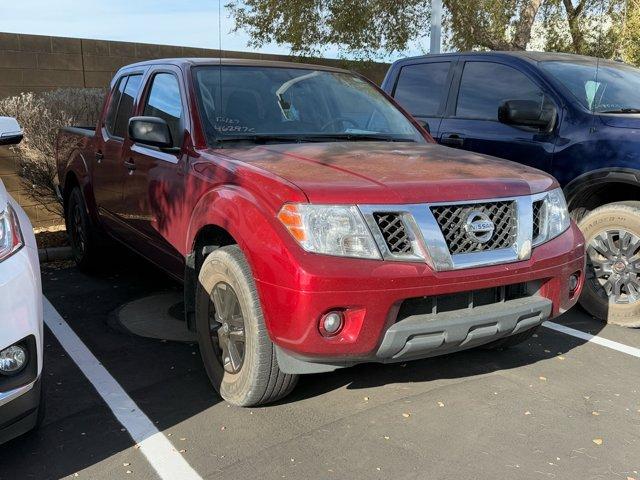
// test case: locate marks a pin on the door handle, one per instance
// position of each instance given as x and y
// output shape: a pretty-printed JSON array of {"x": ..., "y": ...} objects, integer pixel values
[
  {"x": 453, "y": 140},
  {"x": 99, "y": 156},
  {"x": 130, "y": 164}
]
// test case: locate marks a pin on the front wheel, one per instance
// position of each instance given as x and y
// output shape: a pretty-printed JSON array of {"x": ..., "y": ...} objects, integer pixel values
[
  {"x": 612, "y": 287},
  {"x": 238, "y": 355}
]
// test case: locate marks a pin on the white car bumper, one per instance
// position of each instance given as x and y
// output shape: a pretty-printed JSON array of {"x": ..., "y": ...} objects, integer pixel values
[{"x": 21, "y": 322}]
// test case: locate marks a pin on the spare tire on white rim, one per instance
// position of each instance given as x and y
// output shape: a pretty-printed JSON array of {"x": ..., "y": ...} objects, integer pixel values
[
  {"x": 237, "y": 352},
  {"x": 612, "y": 285}
]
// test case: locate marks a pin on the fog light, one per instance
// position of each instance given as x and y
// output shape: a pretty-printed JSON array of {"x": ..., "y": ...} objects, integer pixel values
[
  {"x": 573, "y": 283},
  {"x": 331, "y": 323},
  {"x": 12, "y": 359}
]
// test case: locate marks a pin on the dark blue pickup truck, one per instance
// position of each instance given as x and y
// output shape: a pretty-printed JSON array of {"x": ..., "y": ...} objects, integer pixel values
[{"x": 575, "y": 117}]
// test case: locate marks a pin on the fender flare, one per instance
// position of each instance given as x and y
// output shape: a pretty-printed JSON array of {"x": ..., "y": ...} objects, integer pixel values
[
  {"x": 243, "y": 217},
  {"x": 78, "y": 166},
  {"x": 577, "y": 188}
]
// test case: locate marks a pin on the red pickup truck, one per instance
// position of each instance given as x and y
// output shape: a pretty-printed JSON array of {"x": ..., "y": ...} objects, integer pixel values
[{"x": 314, "y": 224}]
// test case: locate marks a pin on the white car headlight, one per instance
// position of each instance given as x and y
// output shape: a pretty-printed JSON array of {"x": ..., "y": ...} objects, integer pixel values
[
  {"x": 10, "y": 235},
  {"x": 329, "y": 229},
  {"x": 555, "y": 217}
]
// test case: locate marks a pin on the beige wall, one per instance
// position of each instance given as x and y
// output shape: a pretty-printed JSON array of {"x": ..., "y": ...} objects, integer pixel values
[
  {"x": 36, "y": 63},
  {"x": 33, "y": 63}
]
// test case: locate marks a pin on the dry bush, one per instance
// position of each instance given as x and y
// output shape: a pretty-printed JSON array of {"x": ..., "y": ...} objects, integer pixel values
[{"x": 41, "y": 115}]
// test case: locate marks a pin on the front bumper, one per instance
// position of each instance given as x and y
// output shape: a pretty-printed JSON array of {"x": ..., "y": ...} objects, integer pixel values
[
  {"x": 372, "y": 293},
  {"x": 19, "y": 409}
]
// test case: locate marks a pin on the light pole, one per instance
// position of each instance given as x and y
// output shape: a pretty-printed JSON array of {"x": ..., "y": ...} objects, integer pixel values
[{"x": 436, "y": 26}]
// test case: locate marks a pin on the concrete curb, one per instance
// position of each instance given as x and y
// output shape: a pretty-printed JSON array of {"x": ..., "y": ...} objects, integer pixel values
[{"x": 53, "y": 254}]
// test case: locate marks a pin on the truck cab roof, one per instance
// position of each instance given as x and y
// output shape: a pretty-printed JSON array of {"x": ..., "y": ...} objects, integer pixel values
[{"x": 194, "y": 61}]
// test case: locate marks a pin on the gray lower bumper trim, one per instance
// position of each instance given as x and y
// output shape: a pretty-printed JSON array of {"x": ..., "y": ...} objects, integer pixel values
[
  {"x": 422, "y": 336},
  {"x": 427, "y": 335}
]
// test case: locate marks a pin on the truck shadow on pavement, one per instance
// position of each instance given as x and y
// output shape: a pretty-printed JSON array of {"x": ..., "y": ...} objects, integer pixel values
[{"x": 167, "y": 379}]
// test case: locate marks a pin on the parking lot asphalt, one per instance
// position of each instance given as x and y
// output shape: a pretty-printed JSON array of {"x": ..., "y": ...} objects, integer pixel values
[{"x": 555, "y": 407}]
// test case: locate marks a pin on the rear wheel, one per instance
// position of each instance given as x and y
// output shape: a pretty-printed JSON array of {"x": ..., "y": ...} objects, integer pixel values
[
  {"x": 238, "y": 355},
  {"x": 80, "y": 232},
  {"x": 612, "y": 287}
]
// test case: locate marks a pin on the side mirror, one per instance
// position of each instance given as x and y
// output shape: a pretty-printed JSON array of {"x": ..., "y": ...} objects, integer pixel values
[
  {"x": 10, "y": 131},
  {"x": 152, "y": 131},
  {"x": 528, "y": 113}
]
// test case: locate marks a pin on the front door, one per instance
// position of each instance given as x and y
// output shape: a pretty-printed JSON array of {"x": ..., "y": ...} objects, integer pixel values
[
  {"x": 473, "y": 124},
  {"x": 155, "y": 180}
]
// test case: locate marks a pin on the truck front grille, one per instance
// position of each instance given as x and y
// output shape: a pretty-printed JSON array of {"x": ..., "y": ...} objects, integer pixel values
[
  {"x": 394, "y": 232},
  {"x": 537, "y": 218},
  {"x": 453, "y": 218}
]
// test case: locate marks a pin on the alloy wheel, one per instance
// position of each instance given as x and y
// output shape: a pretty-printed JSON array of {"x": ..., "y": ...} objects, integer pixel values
[
  {"x": 226, "y": 326},
  {"x": 77, "y": 230},
  {"x": 614, "y": 265}
]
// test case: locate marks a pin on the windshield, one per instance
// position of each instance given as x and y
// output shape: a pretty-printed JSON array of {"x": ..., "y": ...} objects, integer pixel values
[
  {"x": 293, "y": 104},
  {"x": 602, "y": 88}
]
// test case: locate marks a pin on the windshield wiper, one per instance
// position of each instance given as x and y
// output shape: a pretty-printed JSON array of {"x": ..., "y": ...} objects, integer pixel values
[
  {"x": 355, "y": 137},
  {"x": 300, "y": 138},
  {"x": 261, "y": 138},
  {"x": 623, "y": 110}
]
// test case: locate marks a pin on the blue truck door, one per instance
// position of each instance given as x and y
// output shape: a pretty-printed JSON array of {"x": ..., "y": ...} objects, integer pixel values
[
  {"x": 422, "y": 89},
  {"x": 471, "y": 119}
]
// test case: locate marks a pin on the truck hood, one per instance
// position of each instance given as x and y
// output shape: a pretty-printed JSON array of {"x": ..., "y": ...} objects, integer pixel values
[
  {"x": 384, "y": 172},
  {"x": 622, "y": 120}
]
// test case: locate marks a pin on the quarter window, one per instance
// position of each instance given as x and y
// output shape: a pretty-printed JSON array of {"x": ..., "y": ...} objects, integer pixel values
[
  {"x": 125, "y": 108},
  {"x": 164, "y": 102},
  {"x": 485, "y": 85},
  {"x": 422, "y": 88}
]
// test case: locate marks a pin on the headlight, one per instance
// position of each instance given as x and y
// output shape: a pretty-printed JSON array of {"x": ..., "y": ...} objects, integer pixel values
[
  {"x": 10, "y": 235},
  {"x": 330, "y": 229},
  {"x": 555, "y": 216}
]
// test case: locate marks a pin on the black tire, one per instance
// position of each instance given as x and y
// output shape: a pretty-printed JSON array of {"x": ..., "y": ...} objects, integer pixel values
[
  {"x": 81, "y": 232},
  {"x": 511, "y": 341},
  {"x": 258, "y": 379},
  {"x": 611, "y": 291}
]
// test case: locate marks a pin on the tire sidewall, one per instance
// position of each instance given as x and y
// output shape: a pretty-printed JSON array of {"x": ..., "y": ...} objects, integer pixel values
[
  {"x": 223, "y": 265},
  {"x": 75, "y": 198},
  {"x": 610, "y": 217}
]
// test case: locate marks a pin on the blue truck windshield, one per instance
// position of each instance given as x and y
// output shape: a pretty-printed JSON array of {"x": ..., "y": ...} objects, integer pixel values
[{"x": 602, "y": 87}]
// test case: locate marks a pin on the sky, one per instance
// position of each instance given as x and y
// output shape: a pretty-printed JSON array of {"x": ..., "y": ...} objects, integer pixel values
[{"x": 192, "y": 23}]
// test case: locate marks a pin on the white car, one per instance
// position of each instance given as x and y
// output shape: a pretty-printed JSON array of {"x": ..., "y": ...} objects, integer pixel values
[{"x": 21, "y": 408}]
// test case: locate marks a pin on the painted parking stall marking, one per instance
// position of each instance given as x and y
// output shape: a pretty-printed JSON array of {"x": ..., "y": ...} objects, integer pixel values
[
  {"x": 620, "y": 347},
  {"x": 161, "y": 454}
]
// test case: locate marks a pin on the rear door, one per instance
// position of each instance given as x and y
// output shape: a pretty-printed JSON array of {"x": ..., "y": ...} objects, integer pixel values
[
  {"x": 154, "y": 185},
  {"x": 422, "y": 89},
  {"x": 471, "y": 120},
  {"x": 108, "y": 171}
]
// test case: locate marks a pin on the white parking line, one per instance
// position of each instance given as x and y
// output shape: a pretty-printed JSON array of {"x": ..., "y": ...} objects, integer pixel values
[
  {"x": 163, "y": 457},
  {"x": 620, "y": 347}
]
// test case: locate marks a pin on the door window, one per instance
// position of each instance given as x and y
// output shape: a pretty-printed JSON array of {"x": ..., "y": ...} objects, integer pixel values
[
  {"x": 125, "y": 108},
  {"x": 422, "y": 88},
  {"x": 485, "y": 85},
  {"x": 164, "y": 102}
]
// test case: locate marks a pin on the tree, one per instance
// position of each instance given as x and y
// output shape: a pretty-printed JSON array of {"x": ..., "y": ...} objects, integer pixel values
[
  {"x": 376, "y": 28},
  {"x": 369, "y": 29}
]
